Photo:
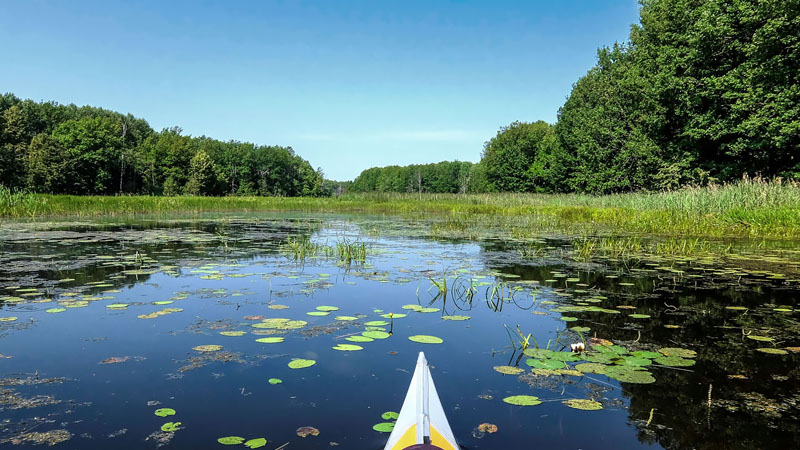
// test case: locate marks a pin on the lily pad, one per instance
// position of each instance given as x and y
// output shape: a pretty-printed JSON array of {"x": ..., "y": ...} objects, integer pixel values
[
  {"x": 207, "y": 348},
  {"x": 522, "y": 400},
  {"x": 425, "y": 339},
  {"x": 639, "y": 316},
  {"x": 164, "y": 412},
  {"x": 456, "y": 318},
  {"x": 301, "y": 363},
  {"x": 393, "y": 315},
  {"x": 171, "y": 427},
  {"x": 55, "y": 310},
  {"x": 270, "y": 340},
  {"x": 275, "y": 381},
  {"x": 256, "y": 443},
  {"x": 348, "y": 347},
  {"x": 318, "y": 313},
  {"x": 591, "y": 368},
  {"x": 359, "y": 339},
  {"x": 584, "y": 404},
  {"x": 384, "y": 427},
  {"x": 230, "y": 440},
  {"x": 679, "y": 352},
  {"x": 508, "y": 370},
  {"x": 376, "y": 323},
  {"x": 759, "y": 338},
  {"x": 345, "y": 318},
  {"x": 674, "y": 361},
  {"x": 551, "y": 364},
  {"x": 390, "y": 415},
  {"x": 232, "y": 333},
  {"x": 327, "y": 308},
  {"x": 376, "y": 334}
]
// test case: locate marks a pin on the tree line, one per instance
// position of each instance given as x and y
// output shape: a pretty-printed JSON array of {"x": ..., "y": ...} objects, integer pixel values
[
  {"x": 702, "y": 91},
  {"x": 444, "y": 177},
  {"x": 65, "y": 149}
]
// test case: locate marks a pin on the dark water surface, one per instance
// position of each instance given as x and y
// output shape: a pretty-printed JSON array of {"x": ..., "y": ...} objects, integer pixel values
[{"x": 699, "y": 378}]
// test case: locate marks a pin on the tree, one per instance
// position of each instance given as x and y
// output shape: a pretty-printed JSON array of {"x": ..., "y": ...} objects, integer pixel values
[
  {"x": 202, "y": 175},
  {"x": 509, "y": 155}
]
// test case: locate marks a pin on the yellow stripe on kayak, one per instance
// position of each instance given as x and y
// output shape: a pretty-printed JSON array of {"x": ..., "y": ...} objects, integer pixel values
[{"x": 409, "y": 438}]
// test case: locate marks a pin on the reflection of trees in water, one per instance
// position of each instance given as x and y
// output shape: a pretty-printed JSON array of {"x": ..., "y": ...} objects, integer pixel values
[{"x": 758, "y": 408}]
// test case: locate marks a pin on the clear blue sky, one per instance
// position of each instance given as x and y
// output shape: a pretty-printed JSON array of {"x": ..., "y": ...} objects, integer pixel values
[{"x": 347, "y": 84}]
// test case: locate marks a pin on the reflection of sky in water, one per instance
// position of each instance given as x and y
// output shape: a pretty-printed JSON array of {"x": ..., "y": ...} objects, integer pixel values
[{"x": 344, "y": 394}]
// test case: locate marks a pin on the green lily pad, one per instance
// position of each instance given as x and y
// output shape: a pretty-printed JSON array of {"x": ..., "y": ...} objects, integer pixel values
[
  {"x": 232, "y": 333},
  {"x": 646, "y": 354},
  {"x": 376, "y": 334},
  {"x": 428, "y": 310},
  {"x": 456, "y": 318},
  {"x": 301, "y": 363},
  {"x": 117, "y": 306},
  {"x": 270, "y": 340},
  {"x": 55, "y": 310},
  {"x": 674, "y": 361},
  {"x": 327, "y": 308},
  {"x": 508, "y": 370},
  {"x": 384, "y": 427},
  {"x": 522, "y": 400},
  {"x": 171, "y": 427},
  {"x": 412, "y": 307},
  {"x": 275, "y": 381},
  {"x": 634, "y": 361},
  {"x": 230, "y": 440},
  {"x": 207, "y": 348},
  {"x": 568, "y": 318},
  {"x": 581, "y": 329},
  {"x": 639, "y": 316},
  {"x": 348, "y": 347},
  {"x": 376, "y": 323},
  {"x": 393, "y": 315},
  {"x": 164, "y": 412},
  {"x": 425, "y": 339},
  {"x": 390, "y": 415},
  {"x": 359, "y": 339},
  {"x": 628, "y": 374},
  {"x": 162, "y": 302},
  {"x": 345, "y": 318},
  {"x": 256, "y": 443},
  {"x": 538, "y": 353},
  {"x": 679, "y": 352},
  {"x": 591, "y": 367},
  {"x": 583, "y": 404},
  {"x": 760, "y": 338},
  {"x": 551, "y": 364},
  {"x": 318, "y": 313}
]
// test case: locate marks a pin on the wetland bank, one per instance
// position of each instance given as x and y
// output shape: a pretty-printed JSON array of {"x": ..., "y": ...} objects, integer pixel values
[{"x": 255, "y": 329}]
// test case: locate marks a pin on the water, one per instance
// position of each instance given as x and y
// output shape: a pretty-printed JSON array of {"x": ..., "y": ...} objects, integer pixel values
[{"x": 219, "y": 274}]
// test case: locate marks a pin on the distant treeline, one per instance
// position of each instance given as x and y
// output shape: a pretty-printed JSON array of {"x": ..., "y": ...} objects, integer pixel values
[
  {"x": 51, "y": 148},
  {"x": 703, "y": 91},
  {"x": 448, "y": 177}
]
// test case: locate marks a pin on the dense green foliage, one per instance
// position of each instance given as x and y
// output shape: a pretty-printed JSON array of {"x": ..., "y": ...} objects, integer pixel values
[
  {"x": 704, "y": 90},
  {"x": 52, "y": 148},
  {"x": 451, "y": 177}
]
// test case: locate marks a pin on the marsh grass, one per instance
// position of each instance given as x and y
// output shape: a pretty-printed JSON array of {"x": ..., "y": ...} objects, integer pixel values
[
  {"x": 747, "y": 208},
  {"x": 302, "y": 247}
]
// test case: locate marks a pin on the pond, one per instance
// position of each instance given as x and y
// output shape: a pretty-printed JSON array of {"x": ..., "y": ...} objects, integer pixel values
[{"x": 182, "y": 332}]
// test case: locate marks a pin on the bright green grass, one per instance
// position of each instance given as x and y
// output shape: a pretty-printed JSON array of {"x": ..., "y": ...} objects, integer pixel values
[{"x": 749, "y": 208}]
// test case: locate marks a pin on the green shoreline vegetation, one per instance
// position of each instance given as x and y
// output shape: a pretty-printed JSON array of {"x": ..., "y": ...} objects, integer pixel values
[{"x": 750, "y": 208}]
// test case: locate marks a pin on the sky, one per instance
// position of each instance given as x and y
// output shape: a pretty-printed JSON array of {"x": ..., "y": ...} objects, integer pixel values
[{"x": 347, "y": 84}]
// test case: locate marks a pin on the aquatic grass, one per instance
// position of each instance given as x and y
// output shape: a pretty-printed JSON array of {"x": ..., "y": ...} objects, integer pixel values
[{"x": 747, "y": 208}]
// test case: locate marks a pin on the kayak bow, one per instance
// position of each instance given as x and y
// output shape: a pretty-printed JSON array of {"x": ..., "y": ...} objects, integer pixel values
[{"x": 421, "y": 419}]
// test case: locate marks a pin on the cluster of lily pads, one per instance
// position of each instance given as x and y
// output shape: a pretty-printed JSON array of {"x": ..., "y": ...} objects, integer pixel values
[{"x": 386, "y": 427}]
